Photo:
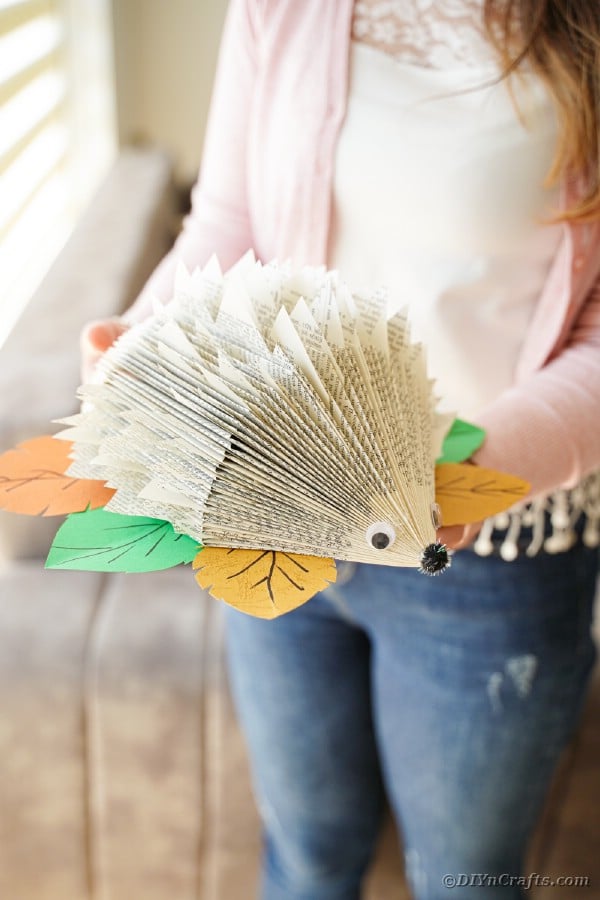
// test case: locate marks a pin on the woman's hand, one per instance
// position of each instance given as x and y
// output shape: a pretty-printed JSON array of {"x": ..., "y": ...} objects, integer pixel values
[
  {"x": 95, "y": 340},
  {"x": 456, "y": 537}
]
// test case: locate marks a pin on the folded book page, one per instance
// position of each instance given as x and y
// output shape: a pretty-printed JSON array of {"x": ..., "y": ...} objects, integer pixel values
[{"x": 269, "y": 409}]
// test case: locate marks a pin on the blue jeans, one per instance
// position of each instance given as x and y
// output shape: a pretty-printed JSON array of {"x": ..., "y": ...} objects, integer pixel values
[{"x": 453, "y": 695}]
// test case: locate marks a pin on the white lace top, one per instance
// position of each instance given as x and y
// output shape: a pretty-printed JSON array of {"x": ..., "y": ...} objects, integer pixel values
[
  {"x": 438, "y": 194},
  {"x": 433, "y": 33}
]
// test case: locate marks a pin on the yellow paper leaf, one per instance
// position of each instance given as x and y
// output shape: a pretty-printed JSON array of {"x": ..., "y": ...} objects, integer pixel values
[
  {"x": 468, "y": 493},
  {"x": 33, "y": 481},
  {"x": 263, "y": 583}
]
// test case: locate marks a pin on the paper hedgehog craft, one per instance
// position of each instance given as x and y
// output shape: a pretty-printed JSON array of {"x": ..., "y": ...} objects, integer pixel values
[{"x": 260, "y": 426}]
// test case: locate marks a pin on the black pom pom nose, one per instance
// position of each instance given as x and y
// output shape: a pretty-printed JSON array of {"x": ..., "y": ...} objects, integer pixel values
[{"x": 434, "y": 559}]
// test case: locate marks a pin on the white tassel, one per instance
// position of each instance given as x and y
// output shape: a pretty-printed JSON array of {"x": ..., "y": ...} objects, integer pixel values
[
  {"x": 591, "y": 533},
  {"x": 483, "y": 546},
  {"x": 538, "y": 516},
  {"x": 509, "y": 548}
]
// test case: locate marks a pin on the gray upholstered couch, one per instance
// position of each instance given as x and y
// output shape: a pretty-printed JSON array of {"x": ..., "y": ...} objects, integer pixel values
[{"x": 122, "y": 771}]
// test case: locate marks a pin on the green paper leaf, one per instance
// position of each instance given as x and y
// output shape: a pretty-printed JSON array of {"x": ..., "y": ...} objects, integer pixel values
[
  {"x": 462, "y": 440},
  {"x": 101, "y": 541}
]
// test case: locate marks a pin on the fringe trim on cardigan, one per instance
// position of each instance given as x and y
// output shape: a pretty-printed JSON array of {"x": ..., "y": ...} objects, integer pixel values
[{"x": 524, "y": 528}]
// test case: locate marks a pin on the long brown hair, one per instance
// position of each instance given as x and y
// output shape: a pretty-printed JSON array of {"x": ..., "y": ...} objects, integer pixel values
[{"x": 560, "y": 40}]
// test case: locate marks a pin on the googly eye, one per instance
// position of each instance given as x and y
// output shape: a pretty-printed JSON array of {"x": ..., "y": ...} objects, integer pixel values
[
  {"x": 380, "y": 535},
  {"x": 436, "y": 515}
]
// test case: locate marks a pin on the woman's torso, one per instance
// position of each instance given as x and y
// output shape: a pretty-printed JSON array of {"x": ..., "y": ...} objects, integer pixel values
[{"x": 438, "y": 189}]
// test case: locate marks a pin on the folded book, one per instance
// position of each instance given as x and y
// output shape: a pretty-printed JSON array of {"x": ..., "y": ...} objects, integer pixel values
[{"x": 261, "y": 425}]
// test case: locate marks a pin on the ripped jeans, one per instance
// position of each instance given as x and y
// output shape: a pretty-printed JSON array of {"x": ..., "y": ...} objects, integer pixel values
[{"x": 454, "y": 696}]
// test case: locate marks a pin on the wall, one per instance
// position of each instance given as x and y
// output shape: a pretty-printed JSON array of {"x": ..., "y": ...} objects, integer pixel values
[{"x": 165, "y": 56}]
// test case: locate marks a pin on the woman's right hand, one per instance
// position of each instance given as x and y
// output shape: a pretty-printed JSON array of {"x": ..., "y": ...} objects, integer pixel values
[{"x": 96, "y": 338}]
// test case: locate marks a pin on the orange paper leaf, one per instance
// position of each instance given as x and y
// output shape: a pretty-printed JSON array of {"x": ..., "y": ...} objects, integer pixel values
[
  {"x": 467, "y": 493},
  {"x": 33, "y": 481},
  {"x": 263, "y": 583}
]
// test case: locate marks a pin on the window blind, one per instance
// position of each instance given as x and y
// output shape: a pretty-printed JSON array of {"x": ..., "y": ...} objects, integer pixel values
[{"x": 43, "y": 95}]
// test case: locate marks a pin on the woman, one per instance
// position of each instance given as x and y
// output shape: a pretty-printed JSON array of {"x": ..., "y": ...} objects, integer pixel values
[{"x": 386, "y": 139}]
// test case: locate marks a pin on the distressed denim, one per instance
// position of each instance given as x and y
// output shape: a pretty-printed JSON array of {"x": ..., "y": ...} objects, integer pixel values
[{"x": 454, "y": 696}]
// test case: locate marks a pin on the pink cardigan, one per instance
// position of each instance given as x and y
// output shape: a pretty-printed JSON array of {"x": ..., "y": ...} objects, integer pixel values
[{"x": 265, "y": 182}]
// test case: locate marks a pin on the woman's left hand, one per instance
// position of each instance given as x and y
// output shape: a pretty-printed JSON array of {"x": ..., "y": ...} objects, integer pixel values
[{"x": 457, "y": 537}]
